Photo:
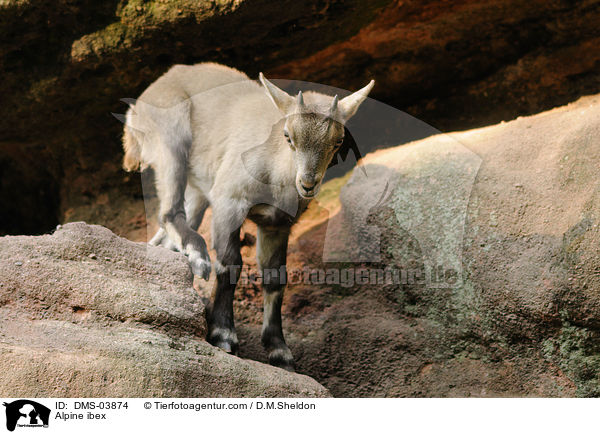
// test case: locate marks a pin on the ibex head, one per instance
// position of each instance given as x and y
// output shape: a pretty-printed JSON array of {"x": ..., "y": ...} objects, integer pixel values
[{"x": 313, "y": 129}]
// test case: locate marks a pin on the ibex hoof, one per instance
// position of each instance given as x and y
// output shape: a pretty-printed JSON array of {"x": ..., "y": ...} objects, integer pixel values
[
  {"x": 282, "y": 358},
  {"x": 200, "y": 266},
  {"x": 224, "y": 339}
]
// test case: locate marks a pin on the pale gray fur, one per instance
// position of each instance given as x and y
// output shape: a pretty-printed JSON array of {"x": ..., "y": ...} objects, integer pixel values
[{"x": 216, "y": 138}]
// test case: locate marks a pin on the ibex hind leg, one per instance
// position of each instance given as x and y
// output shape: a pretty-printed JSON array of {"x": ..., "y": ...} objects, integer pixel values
[
  {"x": 161, "y": 238},
  {"x": 196, "y": 205},
  {"x": 171, "y": 182}
]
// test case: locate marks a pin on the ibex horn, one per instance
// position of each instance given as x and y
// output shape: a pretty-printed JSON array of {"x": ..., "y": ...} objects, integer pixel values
[
  {"x": 334, "y": 106},
  {"x": 300, "y": 99}
]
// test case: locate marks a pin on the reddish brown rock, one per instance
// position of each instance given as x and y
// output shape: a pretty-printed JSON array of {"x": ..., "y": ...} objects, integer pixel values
[{"x": 66, "y": 65}]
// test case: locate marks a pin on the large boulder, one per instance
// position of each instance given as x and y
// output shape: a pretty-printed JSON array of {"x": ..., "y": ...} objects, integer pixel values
[
  {"x": 501, "y": 229},
  {"x": 85, "y": 313}
]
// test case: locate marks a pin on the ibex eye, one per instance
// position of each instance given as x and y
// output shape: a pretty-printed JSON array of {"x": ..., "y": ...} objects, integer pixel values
[
  {"x": 287, "y": 136},
  {"x": 338, "y": 142}
]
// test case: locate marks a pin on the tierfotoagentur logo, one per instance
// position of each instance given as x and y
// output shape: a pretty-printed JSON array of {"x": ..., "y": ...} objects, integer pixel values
[
  {"x": 25, "y": 413},
  {"x": 347, "y": 276}
]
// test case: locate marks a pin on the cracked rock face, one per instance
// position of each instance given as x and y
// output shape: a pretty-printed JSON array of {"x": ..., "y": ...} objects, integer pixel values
[
  {"x": 511, "y": 215},
  {"x": 86, "y": 313}
]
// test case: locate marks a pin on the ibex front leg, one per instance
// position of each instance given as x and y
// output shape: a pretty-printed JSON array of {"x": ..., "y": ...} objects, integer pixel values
[
  {"x": 271, "y": 256},
  {"x": 226, "y": 222}
]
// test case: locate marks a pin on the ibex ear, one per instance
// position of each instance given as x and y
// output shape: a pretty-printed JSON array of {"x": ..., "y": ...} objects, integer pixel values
[
  {"x": 348, "y": 106},
  {"x": 282, "y": 100}
]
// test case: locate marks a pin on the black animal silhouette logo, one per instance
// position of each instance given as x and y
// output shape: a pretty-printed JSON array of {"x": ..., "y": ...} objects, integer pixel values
[{"x": 24, "y": 412}]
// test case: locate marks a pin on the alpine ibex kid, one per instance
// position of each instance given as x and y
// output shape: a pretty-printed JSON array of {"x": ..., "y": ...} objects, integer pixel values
[{"x": 216, "y": 138}]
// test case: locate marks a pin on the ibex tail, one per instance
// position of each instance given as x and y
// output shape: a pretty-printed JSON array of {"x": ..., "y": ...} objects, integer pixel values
[{"x": 133, "y": 151}]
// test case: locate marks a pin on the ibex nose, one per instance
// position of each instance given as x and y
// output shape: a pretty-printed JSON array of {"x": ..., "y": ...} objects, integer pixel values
[{"x": 309, "y": 184}]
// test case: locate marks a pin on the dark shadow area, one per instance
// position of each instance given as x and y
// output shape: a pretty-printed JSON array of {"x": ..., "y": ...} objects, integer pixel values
[{"x": 29, "y": 192}]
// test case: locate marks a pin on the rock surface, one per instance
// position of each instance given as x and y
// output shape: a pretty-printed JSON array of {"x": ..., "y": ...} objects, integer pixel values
[
  {"x": 84, "y": 313},
  {"x": 463, "y": 64}
]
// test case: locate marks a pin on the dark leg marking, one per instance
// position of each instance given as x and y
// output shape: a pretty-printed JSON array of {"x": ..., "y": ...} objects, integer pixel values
[
  {"x": 271, "y": 257},
  {"x": 221, "y": 328}
]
